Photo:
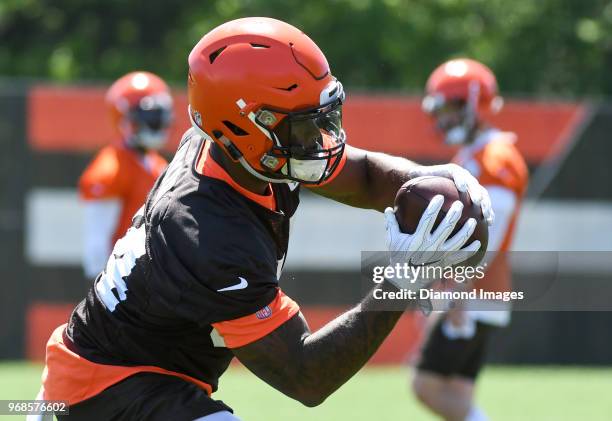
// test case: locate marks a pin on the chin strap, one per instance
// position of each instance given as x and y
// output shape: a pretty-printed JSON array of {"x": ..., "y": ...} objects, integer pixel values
[
  {"x": 235, "y": 153},
  {"x": 255, "y": 173}
]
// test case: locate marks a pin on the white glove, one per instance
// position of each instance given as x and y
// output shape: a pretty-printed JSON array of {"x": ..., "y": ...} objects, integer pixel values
[
  {"x": 464, "y": 181},
  {"x": 427, "y": 248}
]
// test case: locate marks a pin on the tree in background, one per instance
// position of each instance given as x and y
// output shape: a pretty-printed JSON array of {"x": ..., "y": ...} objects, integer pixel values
[{"x": 546, "y": 47}]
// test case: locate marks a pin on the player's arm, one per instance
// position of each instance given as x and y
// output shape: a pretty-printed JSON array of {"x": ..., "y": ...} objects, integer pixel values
[
  {"x": 371, "y": 179},
  {"x": 309, "y": 366},
  {"x": 100, "y": 188},
  {"x": 100, "y": 220},
  {"x": 504, "y": 203},
  {"x": 368, "y": 179}
]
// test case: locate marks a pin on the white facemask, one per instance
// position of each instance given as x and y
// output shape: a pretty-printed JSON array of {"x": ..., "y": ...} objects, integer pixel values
[
  {"x": 456, "y": 136},
  {"x": 150, "y": 139},
  {"x": 307, "y": 170}
]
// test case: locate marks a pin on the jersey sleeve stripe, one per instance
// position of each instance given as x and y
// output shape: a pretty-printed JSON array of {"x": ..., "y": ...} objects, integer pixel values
[{"x": 247, "y": 329}]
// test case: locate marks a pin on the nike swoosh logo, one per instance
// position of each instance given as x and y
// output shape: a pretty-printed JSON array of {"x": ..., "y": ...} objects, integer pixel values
[{"x": 241, "y": 285}]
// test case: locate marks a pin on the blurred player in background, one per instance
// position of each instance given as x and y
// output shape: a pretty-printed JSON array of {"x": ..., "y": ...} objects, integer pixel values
[
  {"x": 116, "y": 182},
  {"x": 460, "y": 94}
]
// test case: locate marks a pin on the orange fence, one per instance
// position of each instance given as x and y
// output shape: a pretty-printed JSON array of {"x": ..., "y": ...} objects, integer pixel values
[{"x": 75, "y": 119}]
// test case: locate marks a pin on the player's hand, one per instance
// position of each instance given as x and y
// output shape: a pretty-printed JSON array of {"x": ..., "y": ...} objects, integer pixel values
[
  {"x": 464, "y": 181},
  {"x": 425, "y": 247}
]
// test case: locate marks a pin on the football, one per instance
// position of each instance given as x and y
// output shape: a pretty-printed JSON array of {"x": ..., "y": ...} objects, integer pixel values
[{"x": 413, "y": 197}]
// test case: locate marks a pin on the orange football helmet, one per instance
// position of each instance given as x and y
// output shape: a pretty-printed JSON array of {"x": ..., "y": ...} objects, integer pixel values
[
  {"x": 263, "y": 91},
  {"x": 467, "y": 86},
  {"x": 140, "y": 106}
]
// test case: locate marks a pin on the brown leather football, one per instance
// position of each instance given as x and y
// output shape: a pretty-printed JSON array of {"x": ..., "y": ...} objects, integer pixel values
[{"x": 413, "y": 197}]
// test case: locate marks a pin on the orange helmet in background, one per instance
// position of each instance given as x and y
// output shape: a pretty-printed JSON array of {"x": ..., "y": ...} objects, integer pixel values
[
  {"x": 141, "y": 109},
  {"x": 263, "y": 91},
  {"x": 467, "y": 85}
]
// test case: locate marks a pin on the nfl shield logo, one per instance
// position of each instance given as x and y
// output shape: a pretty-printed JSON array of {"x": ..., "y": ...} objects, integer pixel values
[{"x": 264, "y": 313}]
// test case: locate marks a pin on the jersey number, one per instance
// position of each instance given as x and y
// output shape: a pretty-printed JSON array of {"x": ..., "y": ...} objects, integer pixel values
[{"x": 119, "y": 265}]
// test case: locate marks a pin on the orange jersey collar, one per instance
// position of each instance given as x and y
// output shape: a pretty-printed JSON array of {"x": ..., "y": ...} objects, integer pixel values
[{"x": 207, "y": 166}]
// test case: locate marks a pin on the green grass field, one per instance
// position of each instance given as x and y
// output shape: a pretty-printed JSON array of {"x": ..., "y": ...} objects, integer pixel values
[{"x": 381, "y": 394}]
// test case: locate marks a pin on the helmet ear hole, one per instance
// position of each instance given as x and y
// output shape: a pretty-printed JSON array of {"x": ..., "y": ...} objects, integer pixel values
[{"x": 235, "y": 129}]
